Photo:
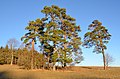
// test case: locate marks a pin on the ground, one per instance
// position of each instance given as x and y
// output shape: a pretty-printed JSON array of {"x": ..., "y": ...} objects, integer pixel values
[{"x": 15, "y": 72}]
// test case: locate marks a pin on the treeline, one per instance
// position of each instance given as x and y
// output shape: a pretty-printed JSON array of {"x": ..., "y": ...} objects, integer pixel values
[{"x": 21, "y": 57}]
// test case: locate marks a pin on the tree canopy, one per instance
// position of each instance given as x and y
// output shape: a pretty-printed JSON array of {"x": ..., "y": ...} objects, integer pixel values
[{"x": 58, "y": 36}]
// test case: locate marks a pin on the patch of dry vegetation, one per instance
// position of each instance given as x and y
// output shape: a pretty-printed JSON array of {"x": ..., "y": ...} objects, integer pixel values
[{"x": 14, "y": 72}]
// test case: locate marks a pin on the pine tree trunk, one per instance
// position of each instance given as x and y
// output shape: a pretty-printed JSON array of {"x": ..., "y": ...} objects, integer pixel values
[
  {"x": 65, "y": 47},
  {"x": 35, "y": 63},
  {"x": 104, "y": 61},
  {"x": 32, "y": 54},
  {"x": 48, "y": 62},
  {"x": 43, "y": 62}
]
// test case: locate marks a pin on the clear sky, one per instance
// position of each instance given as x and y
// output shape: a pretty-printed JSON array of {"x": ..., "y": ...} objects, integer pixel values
[{"x": 15, "y": 14}]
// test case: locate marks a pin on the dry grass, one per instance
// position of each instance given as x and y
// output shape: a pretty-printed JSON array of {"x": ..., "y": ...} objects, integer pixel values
[{"x": 14, "y": 72}]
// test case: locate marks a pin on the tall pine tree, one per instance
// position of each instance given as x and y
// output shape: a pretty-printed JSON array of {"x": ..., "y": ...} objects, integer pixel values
[
  {"x": 35, "y": 28},
  {"x": 97, "y": 37},
  {"x": 62, "y": 33}
]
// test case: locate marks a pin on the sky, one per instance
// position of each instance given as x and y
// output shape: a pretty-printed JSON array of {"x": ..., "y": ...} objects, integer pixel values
[{"x": 15, "y": 15}]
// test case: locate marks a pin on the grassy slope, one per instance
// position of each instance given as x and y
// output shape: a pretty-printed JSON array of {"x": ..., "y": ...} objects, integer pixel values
[{"x": 13, "y": 72}]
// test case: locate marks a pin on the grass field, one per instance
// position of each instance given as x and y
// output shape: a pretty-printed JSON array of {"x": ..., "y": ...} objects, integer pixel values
[{"x": 14, "y": 72}]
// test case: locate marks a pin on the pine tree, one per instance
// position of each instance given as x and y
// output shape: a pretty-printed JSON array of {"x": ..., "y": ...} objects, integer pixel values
[
  {"x": 58, "y": 36},
  {"x": 62, "y": 32},
  {"x": 34, "y": 28},
  {"x": 97, "y": 37},
  {"x": 7, "y": 55},
  {"x": 1, "y": 55}
]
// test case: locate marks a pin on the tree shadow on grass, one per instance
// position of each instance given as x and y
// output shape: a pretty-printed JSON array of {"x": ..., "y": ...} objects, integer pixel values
[
  {"x": 87, "y": 67},
  {"x": 92, "y": 78},
  {"x": 3, "y": 75},
  {"x": 6, "y": 75}
]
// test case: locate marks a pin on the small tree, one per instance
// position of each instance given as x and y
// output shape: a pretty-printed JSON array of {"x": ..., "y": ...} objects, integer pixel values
[
  {"x": 7, "y": 55},
  {"x": 12, "y": 44},
  {"x": 109, "y": 59},
  {"x": 1, "y": 55}
]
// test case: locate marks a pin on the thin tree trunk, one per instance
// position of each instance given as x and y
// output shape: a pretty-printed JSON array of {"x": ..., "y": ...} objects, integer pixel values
[
  {"x": 12, "y": 59},
  {"x": 106, "y": 63},
  {"x": 32, "y": 54},
  {"x": 54, "y": 67},
  {"x": 11, "y": 55},
  {"x": 55, "y": 60}
]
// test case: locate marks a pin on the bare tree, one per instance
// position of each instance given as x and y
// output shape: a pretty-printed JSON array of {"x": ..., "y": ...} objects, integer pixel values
[
  {"x": 12, "y": 44},
  {"x": 109, "y": 59}
]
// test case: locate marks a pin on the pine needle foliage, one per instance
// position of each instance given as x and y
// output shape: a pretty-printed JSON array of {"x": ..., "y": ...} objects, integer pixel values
[{"x": 97, "y": 37}]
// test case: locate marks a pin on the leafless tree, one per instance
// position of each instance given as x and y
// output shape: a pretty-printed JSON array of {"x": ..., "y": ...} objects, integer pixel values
[
  {"x": 12, "y": 44},
  {"x": 109, "y": 59}
]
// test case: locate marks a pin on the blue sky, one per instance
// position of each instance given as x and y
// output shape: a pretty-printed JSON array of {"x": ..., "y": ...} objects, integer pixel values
[{"x": 15, "y": 14}]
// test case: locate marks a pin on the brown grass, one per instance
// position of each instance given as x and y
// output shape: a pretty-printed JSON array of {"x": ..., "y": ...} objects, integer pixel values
[{"x": 14, "y": 72}]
